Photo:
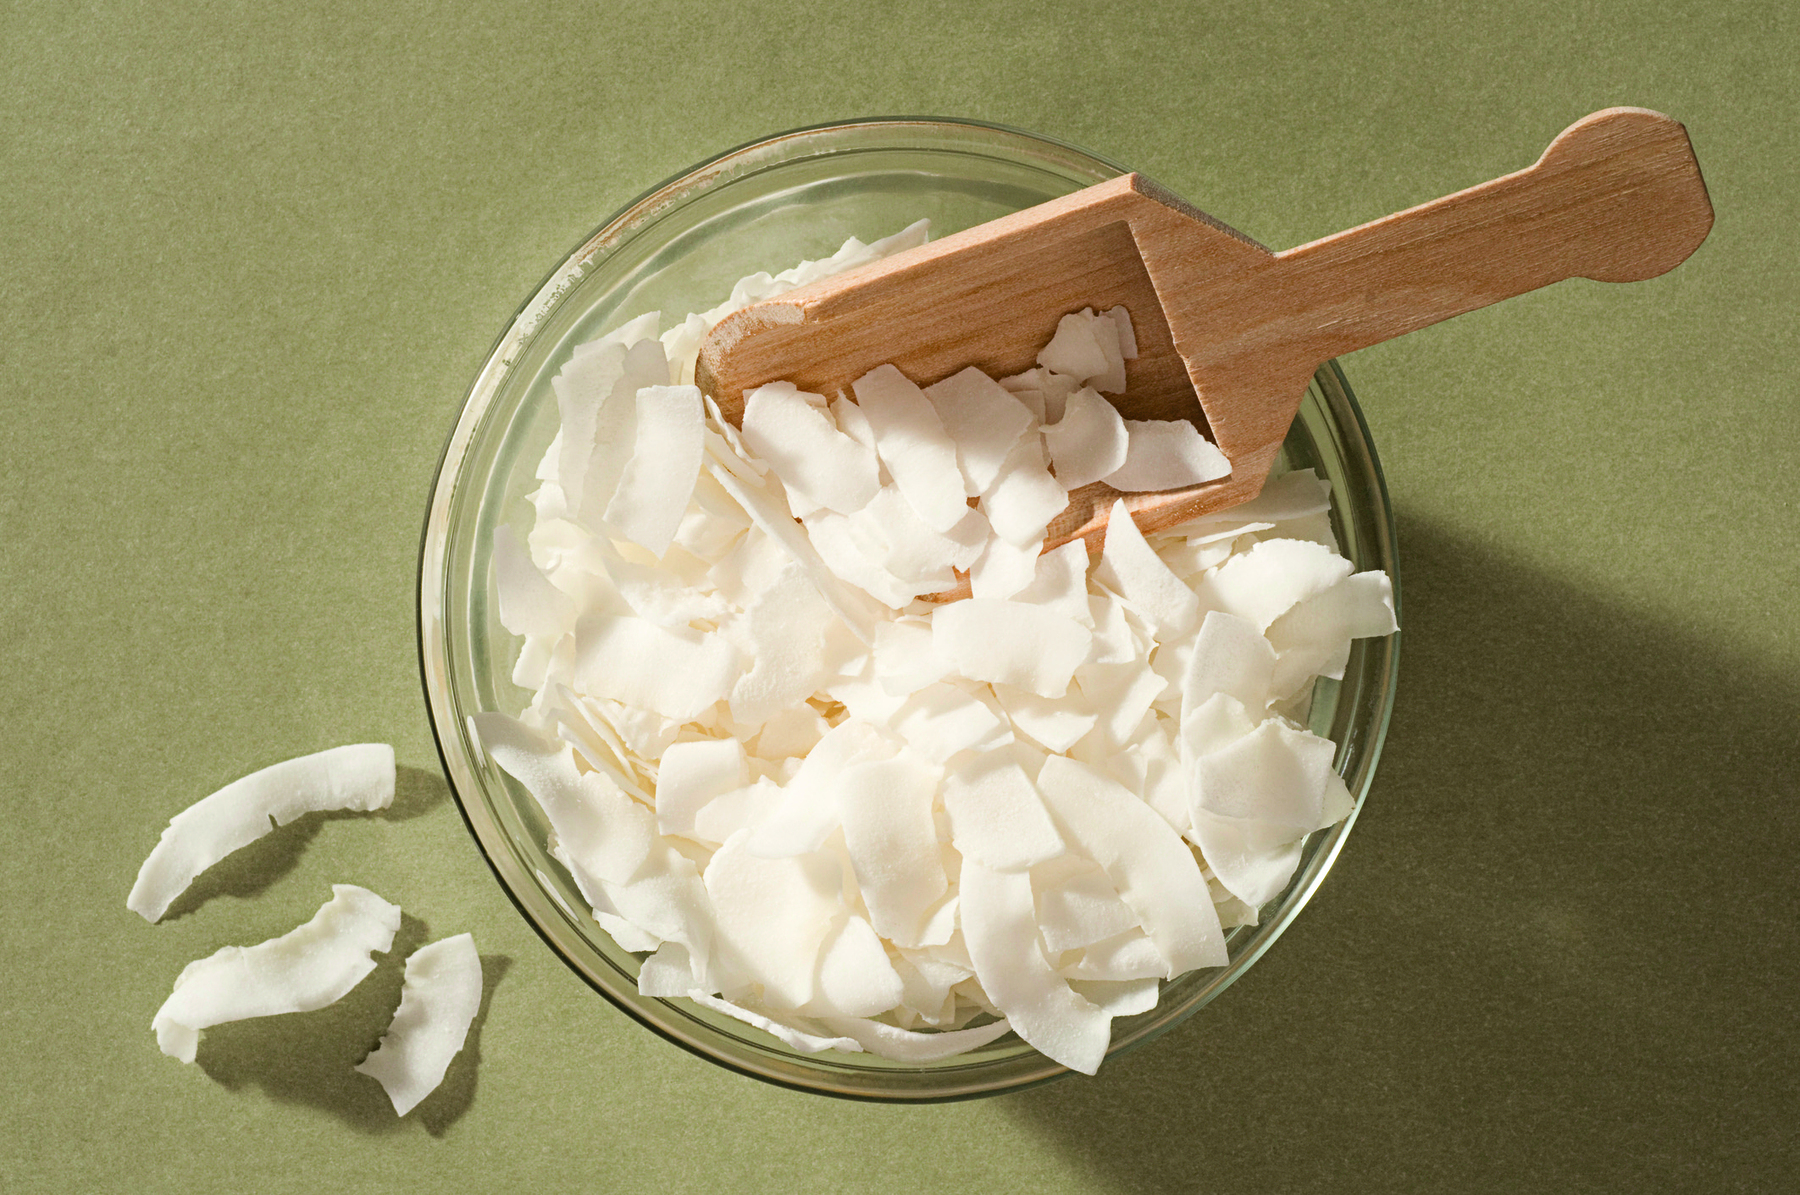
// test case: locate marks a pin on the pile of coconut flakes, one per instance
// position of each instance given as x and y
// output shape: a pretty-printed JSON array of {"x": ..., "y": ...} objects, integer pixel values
[{"x": 860, "y": 820}]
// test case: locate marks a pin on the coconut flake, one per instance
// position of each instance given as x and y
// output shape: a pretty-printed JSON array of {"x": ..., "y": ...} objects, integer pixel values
[
  {"x": 1230, "y": 656},
  {"x": 674, "y": 671},
  {"x": 790, "y": 733},
  {"x": 1147, "y": 862},
  {"x": 855, "y": 977},
  {"x": 1121, "y": 319},
  {"x": 778, "y": 525},
  {"x": 912, "y": 443},
  {"x": 1166, "y": 454},
  {"x": 1080, "y": 907},
  {"x": 1055, "y": 723},
  {"x": 896, "y": 539},
  {"x": 893, "y": 843},
  {"x": 668, "y": 973},
  {"x": 359, "y": 777},
  {"x": 1114, "y": 641},
  {"x": 813, "y": 458},
  {"x": 665, "y": 901},
  {"x": 1044, "y": 391},
  {"x": 658, "y": 480},
  {"x": 1291, "y": 496},
  {"x": 691, "y": 775},
  {"x": 1122, "y": 694},
  {"x": 1132, "y": 569},
  {"x": 308, "y": 967},
  {"x": 1268, "y": 580},
  {"x": 1011, "y": 643},
  {"x": 653, "y": 590},
  {"x": 845, "y": 550},
  {"x": 1004, "y": 569},
  {"x": 599, "y": 459},
  {"x": 996, "y": 815},
  {"x": 902, "y": 1045},
  {"x": 808, "y": 809},
  {"x": 1059, "y": 582},
  {"x": 607, "y": 834},
  {"x": 1252, "y": 860},
  {"x": 1000, "y": 927},
  {"x": 438, "y": 999},
  {"x": 783, "y": 633},
  {"x": 983, "y": 420},
  {"x": 941, "y": 720},
  {"x": 1088, "y": 442},
  {"x": 904, "y": 659},
  {"x": 1086, "y": 347},
  {"x": 1024, "y": 497},
  {"x": 1124, "y": 998},
  {"x": 772, "y": 917},
  {"x": 786, "y": 1034},
  {"x": 1313, "y": 638},
  {"x": 529, "y": 603},
  {"x": 1130, "y": 957},
  {"x": 1275, "y": 774}
]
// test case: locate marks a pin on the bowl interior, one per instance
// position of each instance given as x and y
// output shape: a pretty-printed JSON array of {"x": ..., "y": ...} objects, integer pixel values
[{"x": 679, "y": 248}]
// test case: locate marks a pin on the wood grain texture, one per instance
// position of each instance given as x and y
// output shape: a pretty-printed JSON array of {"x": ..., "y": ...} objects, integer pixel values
[{"x": 1229, "y": 333}]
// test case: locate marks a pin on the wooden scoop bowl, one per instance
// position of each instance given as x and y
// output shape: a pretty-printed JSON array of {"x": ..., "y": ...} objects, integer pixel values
[{"x": 1228, "y": 333}]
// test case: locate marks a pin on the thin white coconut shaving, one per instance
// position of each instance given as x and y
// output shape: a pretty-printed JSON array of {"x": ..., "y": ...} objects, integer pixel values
[
  {"x": 359, "y": 777},
  {"x": 677, "y": 673},
  {"x": 800, "y": 442},
  {"x": 1025, "y": 497},
  {"x": 901, "y": 1045},
  {"x": 1133, "y": 570},
  {"x": 658, "y": 479},
  {"x": 1166, "y": 454},
  {"x": 529, "y": 603},
  {"x": 913, "y": 444},
  {"x": 1011, "y": 643},
  {"x": 856, "y": 978},
  {"x": 1004, "y": 569},
  {"x": 893, "y": 843},
  {"x": 1078, "y": 906},
  {"x": 438, "y": 999},
  {"x": 607, "y": 834},
  {"x": 772, "y": 918},
  {"x": 983, "y": 420},
  {"x": 879, "y": 823},
  {"x": 940, "y": 721},
  {"x": 1088, "y": 348},
  {"x": 692, "y": 775},
  {"x": 996, "y": 815},
  {"x": 1153, "y": 870},
  {"x": 1089, "y": 442},
  {"x": 1000, "y": 927},
  {"x": 308, "y": 967}
]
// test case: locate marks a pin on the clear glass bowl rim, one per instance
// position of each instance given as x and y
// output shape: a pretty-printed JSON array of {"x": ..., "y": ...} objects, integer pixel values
[{"x": 430, "y": 606}]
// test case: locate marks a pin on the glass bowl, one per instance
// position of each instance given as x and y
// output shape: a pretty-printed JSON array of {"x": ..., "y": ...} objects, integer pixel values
[{"x": 679, "y": 248}]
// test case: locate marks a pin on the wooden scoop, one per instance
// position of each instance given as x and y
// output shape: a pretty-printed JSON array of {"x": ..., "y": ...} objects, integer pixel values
[{"x": 1228, "y": 333}]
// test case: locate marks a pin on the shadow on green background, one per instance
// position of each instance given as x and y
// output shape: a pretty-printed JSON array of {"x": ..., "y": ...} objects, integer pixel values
[{"x": 1581, "y": 975}]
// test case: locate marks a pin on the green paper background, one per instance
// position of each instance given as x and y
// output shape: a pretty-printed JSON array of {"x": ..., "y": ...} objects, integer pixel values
[{"x": 250, "y": 259}]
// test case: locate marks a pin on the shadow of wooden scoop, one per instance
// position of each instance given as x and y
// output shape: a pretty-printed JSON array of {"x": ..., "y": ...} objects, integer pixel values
[{"x": 1228, "y": 333}]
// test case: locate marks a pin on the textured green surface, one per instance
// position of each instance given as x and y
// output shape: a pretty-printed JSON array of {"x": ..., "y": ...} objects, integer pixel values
[{"x": 250, "y": 257}]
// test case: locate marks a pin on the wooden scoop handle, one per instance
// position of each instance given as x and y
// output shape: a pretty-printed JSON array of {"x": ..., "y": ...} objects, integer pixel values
[{"x": 1617, "y": 197}]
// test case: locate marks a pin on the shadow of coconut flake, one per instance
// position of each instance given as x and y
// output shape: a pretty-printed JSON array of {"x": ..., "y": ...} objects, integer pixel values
[
  {"x": 453, "y": 1097},
  {"x": 1557, "y": 953},
  {"x": 309, "y": 1058},
  {"x": 253, "y": 869}
]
